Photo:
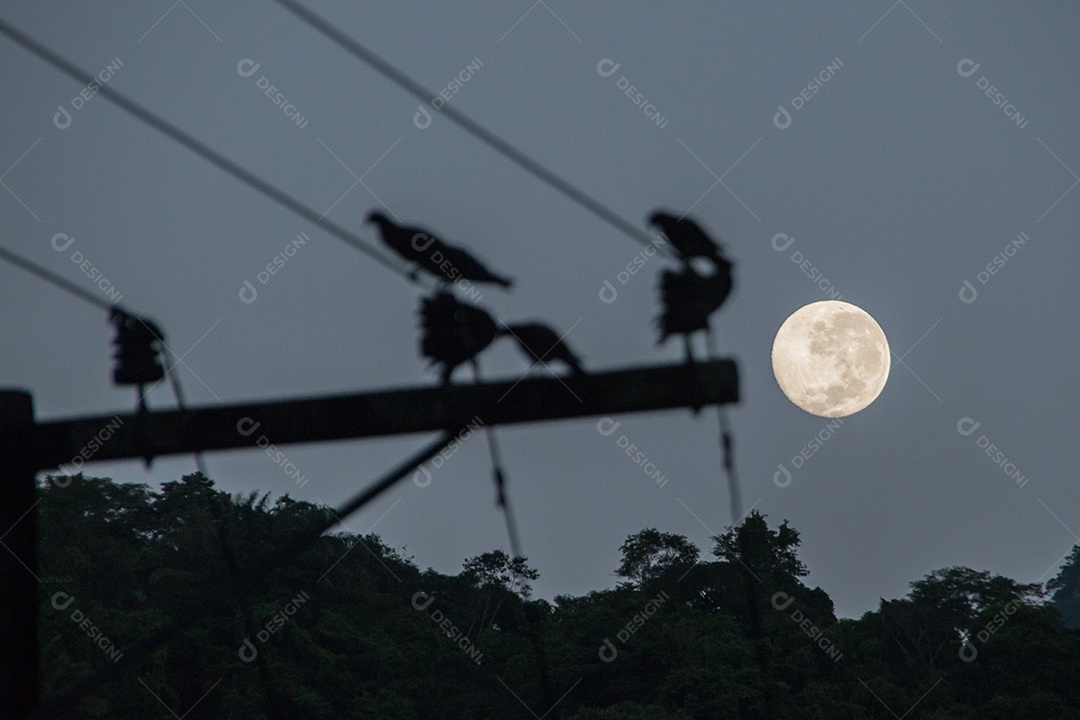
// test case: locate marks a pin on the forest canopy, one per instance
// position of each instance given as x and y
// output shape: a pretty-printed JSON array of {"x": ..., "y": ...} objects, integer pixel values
[{"x": 352, "y": 628}]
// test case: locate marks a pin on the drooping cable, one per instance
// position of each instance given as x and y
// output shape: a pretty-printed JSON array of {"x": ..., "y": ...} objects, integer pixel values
[
  {"x": 69, "y": 287},
  {"x": 502, "y": 501},
  {"x": 478, "y": 131},
  {"x": 54, "y": 279},
  {"x": 163, "y": 126},
  {"x": 174, "y": 380},
  {"x": 727, "y": 443}
]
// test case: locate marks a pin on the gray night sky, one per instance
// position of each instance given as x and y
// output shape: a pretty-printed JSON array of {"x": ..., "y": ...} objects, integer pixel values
[{"x": 899, "y": 179}]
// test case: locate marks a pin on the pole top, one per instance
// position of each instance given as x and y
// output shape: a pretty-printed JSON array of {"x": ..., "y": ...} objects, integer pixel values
[{"x": 16, "y": 406}]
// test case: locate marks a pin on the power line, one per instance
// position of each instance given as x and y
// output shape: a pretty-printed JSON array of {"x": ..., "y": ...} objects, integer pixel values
[
  {"x": 399, "y": 78},
  {"x": 70, "y": 287},
  {"x": 486, "y": 136},
  {"x": 166, "y": 128},
  {"x": 54, "y": 279}
]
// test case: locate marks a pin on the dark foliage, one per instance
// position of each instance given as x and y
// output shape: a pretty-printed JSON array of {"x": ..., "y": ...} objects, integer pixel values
[{"x": 354, "y": 629}]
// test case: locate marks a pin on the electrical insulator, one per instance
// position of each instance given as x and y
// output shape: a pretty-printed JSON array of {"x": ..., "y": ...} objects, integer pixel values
[
  {"x": 138, "y": 351},
  {"x": 689, "y": 299},
  {"x": 453, "y": 332}
]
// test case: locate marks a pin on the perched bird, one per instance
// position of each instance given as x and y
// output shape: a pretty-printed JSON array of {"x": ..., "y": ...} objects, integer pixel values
[
  {"x": 453, "y": 332},
  {"x": 687, "y": 236},
  {"x": 448, "y": 263},
  {"x": 467, "y": 267},
  {"x": 689, "y": 299},
  {"x": 540, "y": 343}
]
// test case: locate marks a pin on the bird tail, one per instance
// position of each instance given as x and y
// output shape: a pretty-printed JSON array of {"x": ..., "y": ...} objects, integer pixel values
[{"x": 504, "y": 282}]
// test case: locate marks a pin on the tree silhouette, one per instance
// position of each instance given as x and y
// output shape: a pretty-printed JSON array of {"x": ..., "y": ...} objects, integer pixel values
[
  {"x": 649, "y": 554},
  {"x": 1065, "y": 587},
  {"x": 378, "y": 637}
]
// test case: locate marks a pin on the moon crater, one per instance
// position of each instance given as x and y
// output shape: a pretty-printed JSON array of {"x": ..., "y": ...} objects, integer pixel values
[{"x": 831, "y": 358}]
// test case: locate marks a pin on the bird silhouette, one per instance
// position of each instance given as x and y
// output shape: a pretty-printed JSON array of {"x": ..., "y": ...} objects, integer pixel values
[
  {"x": 690, "y": 298},
  {"x": 447, "y": 263},
  {"x": 470, "y": 268},
  {"x": 453, "y": 332},
  {"x": 687, "y": 236},
  {"x": 541, "y": 343}
]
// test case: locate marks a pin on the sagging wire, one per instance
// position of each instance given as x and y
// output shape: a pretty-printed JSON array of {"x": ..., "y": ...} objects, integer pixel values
[
  {"x": 138, "y": 348},
  {"x": 727, "y": 442},
  {"x": 200, "y": 462},
  {"x": 204, "y": 151},
  {"x": 502, "y": 501},
  {"x": 489, "y": 138}
]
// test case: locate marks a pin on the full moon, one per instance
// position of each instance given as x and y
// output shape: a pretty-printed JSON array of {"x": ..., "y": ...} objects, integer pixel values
[{"x": 831, "y": 358}]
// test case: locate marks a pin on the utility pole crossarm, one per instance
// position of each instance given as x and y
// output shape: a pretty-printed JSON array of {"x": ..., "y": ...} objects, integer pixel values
[{"x": 382, "y": 413}]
